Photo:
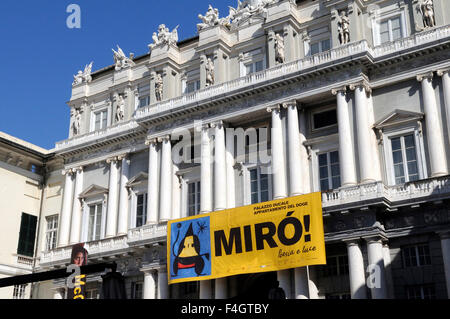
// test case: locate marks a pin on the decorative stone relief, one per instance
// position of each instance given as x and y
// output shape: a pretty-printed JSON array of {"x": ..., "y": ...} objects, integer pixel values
[
  {"x": 164, "y": 37},
  {"x": 83, "y": 76},
  {"x": 210, "y": 19},
  {"x": 159, "y": 86},
  {"x": 344, "y": 28},
  {"x": 121, "y": 61},
  {"x": 120, "y": 110},
  {"x": 76, "y": 126}
]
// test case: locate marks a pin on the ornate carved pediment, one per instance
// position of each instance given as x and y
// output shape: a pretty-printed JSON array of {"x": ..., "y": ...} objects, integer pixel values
[
  {"x": 398, "y": 117},
  {"x": 92, "y": 191},
  {"x": 139, "y": 179}
]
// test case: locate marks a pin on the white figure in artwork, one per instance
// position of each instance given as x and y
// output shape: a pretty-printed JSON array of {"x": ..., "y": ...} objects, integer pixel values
[
  {"x": 83, "y": 76},
  {"x": 164, "y": 37},
  {"x": 344, "y": 28},
  {"x": 279, "y": 48},
  {"x": 77, "y": 123},
  {"x": 121, "y": 61},
  {"x": 210, "y": 19},
  {"x": 120, "y": 111},
  {"x": 426, "y": 8},
  {"x": 158, "y": 87},
  {"x": 209, "y": 72}
]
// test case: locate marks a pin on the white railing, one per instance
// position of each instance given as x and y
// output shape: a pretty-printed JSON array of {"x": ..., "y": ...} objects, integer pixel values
[
  {"x": 147, "y": 232},
  {"x": 398, "y": 193},
  {"x": 25, "y": 261},
  {"x": 93, "y": 136}
]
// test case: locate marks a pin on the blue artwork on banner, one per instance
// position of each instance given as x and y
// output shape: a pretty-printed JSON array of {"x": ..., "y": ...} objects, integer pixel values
[{"x": 190, "y": 249}]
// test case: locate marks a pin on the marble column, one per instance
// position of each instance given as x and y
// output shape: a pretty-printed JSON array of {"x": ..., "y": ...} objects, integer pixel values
[
  {"x": 346, "y": 149},
  {"x": 206, "y": 189},
  {"x": 434, "y": 131},
  {"x": 388, "y": 270},
  {"x": 445, "y": 74},
  {"x": 66, "y": 213},
  {"x": 149, "y": 285},
  {"x": 123, "y": 197},
  {"x": 356, "y": 271},
  {"x": 153, "y": 187},
  {"x": 278, "y": 161},
  {"x": 377, "y": 275},
  {"x": 220, "y": 168},
  {"x": 445, "y": 247},
  {"x": 294, "y": 157},
  {"x": 76, "y": 209},
  {"x": 165, "y": 201},
  {"x": 304, "y": 154},
  {"x": 231, "y": 184},
  {"x": 111, "y": 220},
  {"x": 365, "y": 154},
  {"x": 221, "y": 288},
  {"x": 205, "y": 290},
  {"x": 163, "y": 286}
]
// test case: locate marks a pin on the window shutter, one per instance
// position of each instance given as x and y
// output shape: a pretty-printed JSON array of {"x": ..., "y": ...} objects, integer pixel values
[{"x": 27, "y": 235}]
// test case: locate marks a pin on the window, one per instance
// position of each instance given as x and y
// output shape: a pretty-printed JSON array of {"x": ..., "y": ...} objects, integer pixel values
[
  {"x": 137, "y": 289},
  {"x": 254, "y": 67},
  {"x": 194, "y": 192},
  {"x": 391, "y": 30},
  {"x": 100, "y": 120},
  {"x": 320, "y": 46},
  {"x": 27, "y": 235},
  {"x": 416, "y": 256},
  {"x": 141, "y": 210},
  {"x": 95, "y": 222},
  {"x": 324, "y": 119},
  {"x": 144, "y": 101},
  {"x": 329, "y": 171},
  {"x": 92, "y": 294},
  {"x": 192, "y": 86},
  {"x": 19, "y": 291},
  {"x": 336, "y": 265},
  {"x": 144, "y": 95},
  {"x": 420, "y": 292},
  {"x": 51, "y": 233},
  {"x": 404, "y": 157},
  {"x": 259, "y": 186}
]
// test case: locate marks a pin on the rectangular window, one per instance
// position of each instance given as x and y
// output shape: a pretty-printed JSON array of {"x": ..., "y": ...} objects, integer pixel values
[
  {"x": 19, "y": 291},
  {"x": 137, "y": 289},
  {"x": 100, "y": 120},
  {"x": 259, "y": 186},
  {"x": 329, "y": 171},
  {"x": 324, "y": 119},
  {"x": 320, "y": 46},
  {"x": 92, "y": 294},
  {"x": 51, "y": 233},
  {"x": 95, "y": 222},
  {"x": 336, "y": 266},
  {"x": 404, "y": 157},
  {"x": 194, "y": 193},
  {"x": 420, "y": 292},
  {"x": 416, "y": 256},
  {"x": 391, "y": 30},
  {"x": 192, "y": 86},
  {"x": 27, "y": 235},
  {"x": 141, "y": 210},
  {"x": 254, "y": 67},
  {"x": 144, "y": 101}
]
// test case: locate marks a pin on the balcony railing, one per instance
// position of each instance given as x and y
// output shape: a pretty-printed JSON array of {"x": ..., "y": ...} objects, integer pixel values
[{"x": 344, "y": 198}]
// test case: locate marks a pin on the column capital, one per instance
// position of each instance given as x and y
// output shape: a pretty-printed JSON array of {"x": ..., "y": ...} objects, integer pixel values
[
  {"x": 69, "y": 172},
  {"x": 112, "y": 160},
  {"x": 275, "y": 108},
  {"x": 78, "y": 169},
  {"x": 444, "y": 234},
  {"x": 375, "y": 239},
  {"x": 218, "y": 124},
  {"x": 164, "y": 138},
  {"x": 336, "y": 91},
  {"x": 150, "y": 141},
  {"x": 352, "y": 241},
  {"x": 364, "y": 84},
  {"x": 421, "y": 77},
  {"x": 122, "y": 157},
  {"x": 442, "y": 72},
  {"x": 288, "y": 104}
]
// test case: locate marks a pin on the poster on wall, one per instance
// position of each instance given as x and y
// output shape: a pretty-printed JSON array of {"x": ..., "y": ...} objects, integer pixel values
[
  {"x": 76, "y": 282},
  {"x": 271, "y": 236}
]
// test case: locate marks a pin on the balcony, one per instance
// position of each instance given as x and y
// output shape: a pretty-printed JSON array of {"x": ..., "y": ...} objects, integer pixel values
[
  {"x": 392, "y": 196},
  {"x": 308, "y": 64}
]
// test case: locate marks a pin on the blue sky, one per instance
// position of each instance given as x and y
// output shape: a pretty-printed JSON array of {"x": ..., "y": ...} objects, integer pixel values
[{"x": 39, "y": 54}]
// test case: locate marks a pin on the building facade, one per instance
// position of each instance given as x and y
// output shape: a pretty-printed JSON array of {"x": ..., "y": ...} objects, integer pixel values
[{"x": 281, "y": 98}]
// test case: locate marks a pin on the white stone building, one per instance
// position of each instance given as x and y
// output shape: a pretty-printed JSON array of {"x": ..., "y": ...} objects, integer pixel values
[{"x": 347, "y": 97}]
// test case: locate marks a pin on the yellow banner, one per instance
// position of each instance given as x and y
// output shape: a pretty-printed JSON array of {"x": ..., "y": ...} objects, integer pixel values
[{"x": 271, "y": 236}]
